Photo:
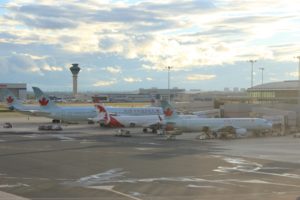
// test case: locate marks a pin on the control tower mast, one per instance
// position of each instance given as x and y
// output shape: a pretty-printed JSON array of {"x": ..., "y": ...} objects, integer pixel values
[{"x": 75, "y": 71}]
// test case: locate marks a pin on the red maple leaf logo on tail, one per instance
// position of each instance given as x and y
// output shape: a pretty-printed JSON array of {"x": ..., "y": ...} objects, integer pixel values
[
  {"x": 168, "y": 112},
  {"x": 43, "y": 101},
  {"x": 101, "y": 109},
  {"x": 9, "y": 99},
  {"x": 113, "y": 122}
]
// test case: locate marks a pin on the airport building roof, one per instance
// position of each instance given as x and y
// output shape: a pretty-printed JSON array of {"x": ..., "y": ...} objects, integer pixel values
[
  {"x": 13, "y": 85},
  {"x": 282, "y": 85}
]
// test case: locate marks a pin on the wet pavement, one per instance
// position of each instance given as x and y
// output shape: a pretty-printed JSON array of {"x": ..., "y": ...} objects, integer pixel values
[{"x": 88, "y": 162}]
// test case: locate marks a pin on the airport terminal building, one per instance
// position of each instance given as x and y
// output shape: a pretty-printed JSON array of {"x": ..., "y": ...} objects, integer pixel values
[
  {"x": 18, "y": 89},
  {"x": 275, "y": 92},
  {"x": 143, "y": 95}
]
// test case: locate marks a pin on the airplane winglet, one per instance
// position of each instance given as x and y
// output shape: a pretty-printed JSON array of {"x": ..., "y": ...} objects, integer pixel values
[{"x": 100, "y": 108}]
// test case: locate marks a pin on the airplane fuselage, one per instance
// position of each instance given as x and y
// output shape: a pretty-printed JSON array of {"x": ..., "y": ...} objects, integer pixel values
[
  {"x": 134, "y": 111},
  {"x": 71, "y": 114},
  {"x": 198, "y": 124},
  {"x": 78, "y": 114},
  {"x": 133, "y": 121}
]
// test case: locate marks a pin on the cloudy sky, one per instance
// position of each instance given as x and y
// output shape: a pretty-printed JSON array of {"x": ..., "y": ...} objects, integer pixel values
[{"x": 126, "y": 45}]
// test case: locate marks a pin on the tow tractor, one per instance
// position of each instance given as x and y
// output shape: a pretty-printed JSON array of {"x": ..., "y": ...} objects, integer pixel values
[{"x": 123, "y": 133}]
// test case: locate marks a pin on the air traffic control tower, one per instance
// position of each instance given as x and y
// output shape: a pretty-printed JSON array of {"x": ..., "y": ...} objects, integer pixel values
[{"x": 75, "y": 71}]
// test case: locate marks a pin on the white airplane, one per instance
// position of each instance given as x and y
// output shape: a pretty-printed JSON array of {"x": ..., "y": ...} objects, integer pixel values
[
  {"x": 188, "y": 124},
  {"x": 87, "y": 113},
  {"x": 68, "y": 114},
  {"x": 122, "y": 121},
  {"x": 14, "y": 103},
  {"x": 134, "y": 111},
  {"x": 127, "y": 111}
]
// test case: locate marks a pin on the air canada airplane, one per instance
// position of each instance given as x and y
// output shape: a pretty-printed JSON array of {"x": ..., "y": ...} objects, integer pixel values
[
  {"x": 127, "y": 111},
  {"x": 15, "y": 104},
  {"x": 153, "y": 121},
  {"x": 87, "y": 113},
  {"x": 61, "y": 113},
  {"x": 187, "y": 124}
]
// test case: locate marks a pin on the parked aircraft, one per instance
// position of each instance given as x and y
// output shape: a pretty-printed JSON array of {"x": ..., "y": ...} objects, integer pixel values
[
  {"x": 134, "y": 111},
  {"x": 121, "y": 121},
  {"x": 14, "y": 103},
  {"x": 239, "y": 126},
  {"x": 60, "y": 113},
  {"x": 87, "y": 113},
  {"x": 127, "y": 111}
]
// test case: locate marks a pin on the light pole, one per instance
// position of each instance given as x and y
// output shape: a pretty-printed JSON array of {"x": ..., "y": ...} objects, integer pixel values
[
  {"x": 262, "y": 74},
  {"x": 298, "y": 57},
  {"x": 252, "y": 62},
  {"x": 169, "y": 69}
]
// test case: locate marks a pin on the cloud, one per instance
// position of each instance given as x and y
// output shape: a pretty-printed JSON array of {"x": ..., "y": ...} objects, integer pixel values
[
  {"x": 52, "y": 68},
  {"x": 292, "y": 74},
  {"x": 17, "y": 63},
  {"x": 274, "y": 79},
  {"x": 132, "y": 80},
  {"x": 200, "y": 77},
  {"x": 104, "y": 83},
  {"x": 34, "y": 69},
  {"x": 208, "y": 37},
  {"x": 88, "y": 69},
  {"x": 114, "y": 70},
  {"x": 149, "y": 79},
  {"x": 5, "y": 36},
  {"x": 34, "y": 57},
  {"x": 46, "y": 23},
  {"x": 24, "y": 64},
  {"x": 155, "y": 68},
  {"x": 178, "y": 7},
  {"x": 41, "y": 36},
  {"x": 44, "y": 16}
]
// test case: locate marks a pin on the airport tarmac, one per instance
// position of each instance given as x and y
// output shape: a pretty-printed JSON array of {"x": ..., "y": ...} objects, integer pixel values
[{"x": 88, "y": 162}]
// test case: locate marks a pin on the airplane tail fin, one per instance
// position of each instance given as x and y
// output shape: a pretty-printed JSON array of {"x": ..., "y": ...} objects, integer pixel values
[
  {"x": 168, "y": 109},
  {"x": 43, "y": 99},
  {"x": 102, "y": 113},
  {"x": 11, "y": 99}
]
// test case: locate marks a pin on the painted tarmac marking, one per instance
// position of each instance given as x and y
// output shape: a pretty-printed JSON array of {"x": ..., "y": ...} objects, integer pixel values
[
  {"x": 87, "y": 141},
  {"x": 100, "y": 177},
  {"x": 151, "y": 143},
  {"x": 201, "y": 186},
  {"x": 35, "y": 178},
  {"x": 5, "y": 195},
  {"x": 242, "y": 165},
  {"x": 15, "y": 185},
  {"x": 145, "y": 149},
  {"x": 31, "y": 136},
  {"x": 116, "y": 176},
  {"x": 64, "y": 138},
  {"x": 110, "y": 189}
]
